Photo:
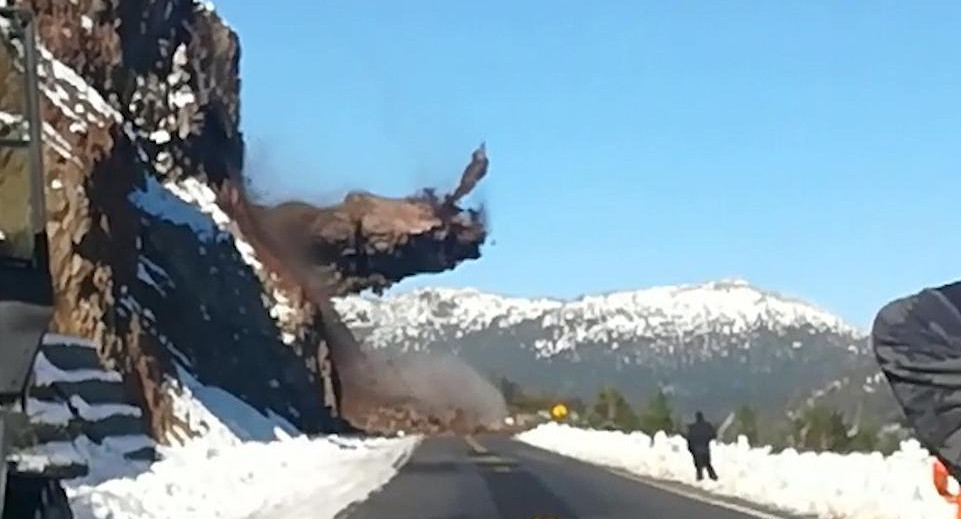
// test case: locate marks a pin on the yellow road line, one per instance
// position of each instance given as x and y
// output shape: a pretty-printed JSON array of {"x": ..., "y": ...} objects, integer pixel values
[{"x": 475, "y": 445}]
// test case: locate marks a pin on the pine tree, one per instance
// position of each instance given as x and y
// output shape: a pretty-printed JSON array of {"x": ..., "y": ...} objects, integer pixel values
[
  {"x": 821, "y": 428},
  {"x": 612, "y": 411},
  {"x": 810, "y": 429},
  {"x": 509, "y": 389},
  {"x": 888, "y": 442},
  {"x": 658, "y": 415},
  {"x": 745, "y": 423},
  {"x": 837, "y": 434},
  {"x": 576, "y": 405},
  {"x": 866, "y": 439}
]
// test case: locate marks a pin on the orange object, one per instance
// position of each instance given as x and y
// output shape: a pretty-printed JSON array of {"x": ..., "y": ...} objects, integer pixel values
[{"x": 941, "y": 484}]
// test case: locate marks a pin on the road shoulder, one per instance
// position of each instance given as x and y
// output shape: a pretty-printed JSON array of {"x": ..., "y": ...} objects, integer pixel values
[{"x": 690, "y": 491}]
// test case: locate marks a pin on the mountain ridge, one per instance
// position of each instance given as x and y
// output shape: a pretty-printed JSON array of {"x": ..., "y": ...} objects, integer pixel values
[
  {"x": 723, "y": 282},
  {"x": 690, "y": 307},
  {"x": 715, "y": 344},
  {"x": 728, "y": 280}
]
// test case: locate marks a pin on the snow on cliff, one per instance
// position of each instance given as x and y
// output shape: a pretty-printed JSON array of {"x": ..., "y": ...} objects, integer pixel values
[{"x": 243, "y": 465}]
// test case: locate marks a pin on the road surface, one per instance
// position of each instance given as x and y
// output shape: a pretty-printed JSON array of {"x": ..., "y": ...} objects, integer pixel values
[{"x": 498, "y": 478}]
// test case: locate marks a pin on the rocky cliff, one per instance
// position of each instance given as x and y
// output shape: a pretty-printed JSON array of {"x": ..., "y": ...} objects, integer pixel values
[{"x": 157, "y": 256}]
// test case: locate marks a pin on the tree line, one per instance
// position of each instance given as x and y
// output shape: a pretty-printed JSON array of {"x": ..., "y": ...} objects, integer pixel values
[{"x": 814, "y": 428}]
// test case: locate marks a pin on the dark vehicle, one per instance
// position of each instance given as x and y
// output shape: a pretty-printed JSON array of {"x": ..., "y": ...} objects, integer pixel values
[{"x": 26, "y": 293}]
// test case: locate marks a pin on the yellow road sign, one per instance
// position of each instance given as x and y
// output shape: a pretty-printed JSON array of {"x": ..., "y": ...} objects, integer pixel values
[{"x": 559, "y": 412}]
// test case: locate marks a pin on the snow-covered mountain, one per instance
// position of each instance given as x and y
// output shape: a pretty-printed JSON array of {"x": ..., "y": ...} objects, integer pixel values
[
  {"x": 714, "y": 345},
  {"x": 417, "y": 318}
]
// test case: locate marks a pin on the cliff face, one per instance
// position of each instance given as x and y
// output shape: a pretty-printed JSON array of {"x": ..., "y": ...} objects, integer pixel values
[
  {"x": 141, "y": 101},
  {"x": 157, "y": 256}
]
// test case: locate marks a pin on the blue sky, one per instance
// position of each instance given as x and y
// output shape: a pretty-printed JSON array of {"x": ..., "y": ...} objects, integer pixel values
[{"x": 811, "y": 147}]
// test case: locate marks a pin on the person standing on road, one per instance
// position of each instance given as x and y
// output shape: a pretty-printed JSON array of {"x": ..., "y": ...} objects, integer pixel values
[{"x": 699, "y": 436}]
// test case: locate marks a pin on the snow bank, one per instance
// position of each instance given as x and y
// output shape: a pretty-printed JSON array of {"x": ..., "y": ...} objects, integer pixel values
[
  {"x": 243, "y": 465},
  {"x": 291, "y": 478},
  {"x": 826, "y": 485}
]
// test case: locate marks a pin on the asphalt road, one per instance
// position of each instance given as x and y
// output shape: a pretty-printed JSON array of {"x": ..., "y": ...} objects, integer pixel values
[{"x": 498, "y": 478}]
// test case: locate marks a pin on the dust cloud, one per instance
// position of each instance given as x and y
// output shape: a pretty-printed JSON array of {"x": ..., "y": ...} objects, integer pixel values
[
  {"x": 443, "y": 385},
  {"x": 369, "y": 242}
]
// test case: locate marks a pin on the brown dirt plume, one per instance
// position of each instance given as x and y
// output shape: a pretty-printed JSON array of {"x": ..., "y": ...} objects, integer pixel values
[{"x": 371, "y": 242}]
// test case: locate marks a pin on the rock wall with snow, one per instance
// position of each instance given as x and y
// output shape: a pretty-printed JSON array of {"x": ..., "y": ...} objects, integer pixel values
[
  {"x": 89, "y": 434},
  {"x": 141, "y": 107},
  {"x": 76, "y": 406},
  {"x": 158, "y": 257}
]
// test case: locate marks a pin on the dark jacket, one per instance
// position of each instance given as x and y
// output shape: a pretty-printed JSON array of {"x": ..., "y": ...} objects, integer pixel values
[
  {"x": 699, "y": 436},
  {"x": 917, "y": 341}
]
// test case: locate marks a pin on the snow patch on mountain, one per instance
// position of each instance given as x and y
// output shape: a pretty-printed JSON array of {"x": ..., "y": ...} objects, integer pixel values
[{"x": 730, "y": 307}]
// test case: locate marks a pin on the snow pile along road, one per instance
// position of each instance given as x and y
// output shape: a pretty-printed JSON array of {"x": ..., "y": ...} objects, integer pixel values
[
  {"x": 825, "y": 485},
  {"x": 288, "y": 478},
  {"x": 246, "y": 465}
]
